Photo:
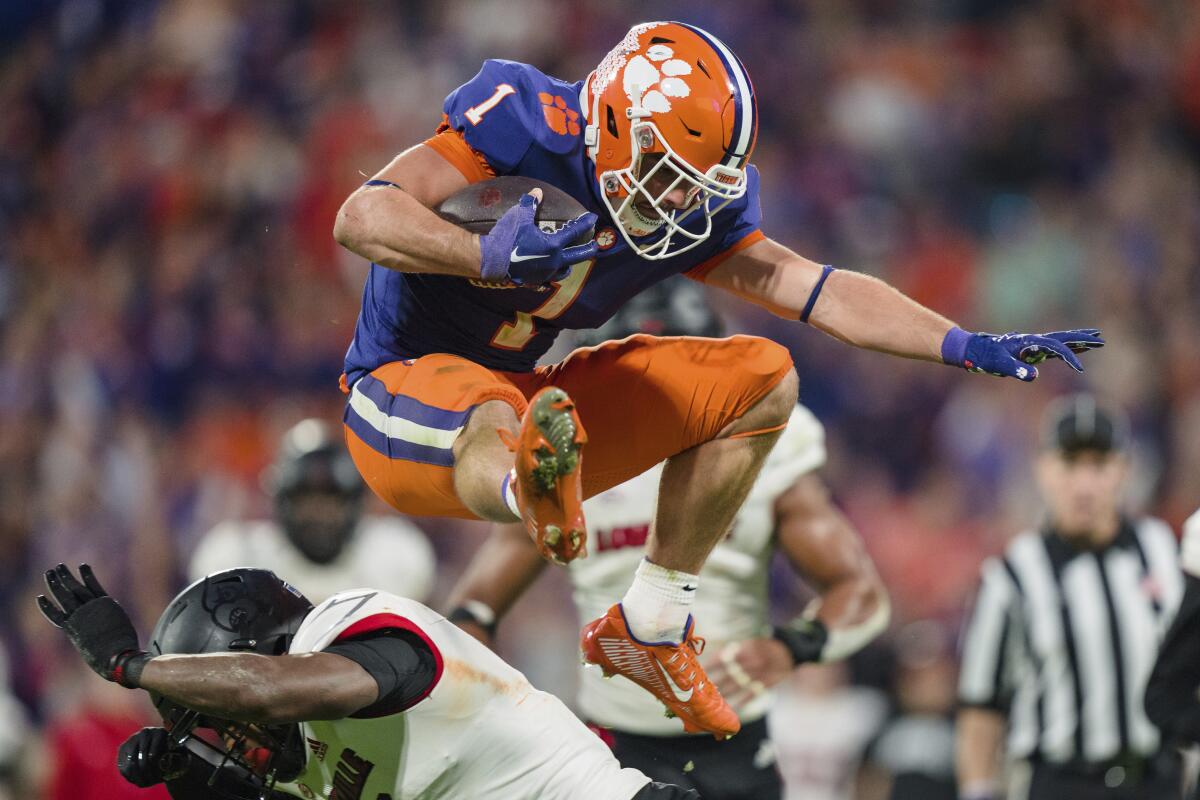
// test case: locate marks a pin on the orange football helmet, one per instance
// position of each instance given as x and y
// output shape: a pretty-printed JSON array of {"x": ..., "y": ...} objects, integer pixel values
[{"x": 676, "y": 94}]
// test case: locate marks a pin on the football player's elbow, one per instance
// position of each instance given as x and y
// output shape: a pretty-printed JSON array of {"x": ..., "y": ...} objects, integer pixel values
[{"x": 349, "y": 227}]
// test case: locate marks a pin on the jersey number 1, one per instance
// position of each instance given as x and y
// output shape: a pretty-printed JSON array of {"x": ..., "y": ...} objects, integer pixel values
[
  {"x": 516, "y": 334},
  {"x": 475, "y": 113}
]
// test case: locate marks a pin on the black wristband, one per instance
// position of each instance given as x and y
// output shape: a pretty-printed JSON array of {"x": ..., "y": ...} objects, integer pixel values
[
  {"x": 477, "y": 613},
  {"x": 127, "y": 668},
  {"x": 804, "y": 639}
]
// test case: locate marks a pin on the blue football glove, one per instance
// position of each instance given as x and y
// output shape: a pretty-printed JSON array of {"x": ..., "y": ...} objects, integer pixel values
[
  {"x": 518, "y": 251},
  {"x": 1013, "y": 355}
]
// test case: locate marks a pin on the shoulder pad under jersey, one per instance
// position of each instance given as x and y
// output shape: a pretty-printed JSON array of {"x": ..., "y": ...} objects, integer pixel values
[{"x": 509, "y": 107}]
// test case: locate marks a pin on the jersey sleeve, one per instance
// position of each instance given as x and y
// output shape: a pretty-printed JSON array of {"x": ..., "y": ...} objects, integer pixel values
[
  {"x": 983, "y": 677},
  {"x": 402, "y": 664},
  {"x": 735, "y": 227},
  {"x": 494, "y": 114}
]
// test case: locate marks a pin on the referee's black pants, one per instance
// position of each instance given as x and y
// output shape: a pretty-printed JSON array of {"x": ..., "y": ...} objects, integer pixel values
[{"x": 1160, "y": 780}]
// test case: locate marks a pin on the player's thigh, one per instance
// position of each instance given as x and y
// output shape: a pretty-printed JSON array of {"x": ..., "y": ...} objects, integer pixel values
[
  {"x": 644, "y": 398},
  {"x": 401, "y": 422}
]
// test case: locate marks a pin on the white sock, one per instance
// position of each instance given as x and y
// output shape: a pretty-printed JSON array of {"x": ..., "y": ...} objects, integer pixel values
[
  {"x": 510, "y": 497},
  {"x": 658, "y": 603}
]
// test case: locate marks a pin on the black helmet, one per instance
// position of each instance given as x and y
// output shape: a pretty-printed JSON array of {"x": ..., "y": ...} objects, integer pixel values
[
  {"x": 317, "y": 490},
  {"x": 677, "y": 306},
  {"x": 237, "y": 610}
]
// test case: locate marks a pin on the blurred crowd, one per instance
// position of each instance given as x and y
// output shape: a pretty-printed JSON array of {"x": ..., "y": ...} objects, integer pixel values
[{"x": 171, "y": 298}]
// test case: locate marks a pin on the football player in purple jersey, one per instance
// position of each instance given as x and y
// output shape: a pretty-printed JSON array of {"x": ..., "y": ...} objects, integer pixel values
[{"x": 655, "y": 143}]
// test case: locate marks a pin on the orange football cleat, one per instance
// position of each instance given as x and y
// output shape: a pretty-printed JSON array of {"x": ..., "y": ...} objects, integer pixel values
[
  {"x": 669, "y": 671},
  {"x": 548, "y": 486}
]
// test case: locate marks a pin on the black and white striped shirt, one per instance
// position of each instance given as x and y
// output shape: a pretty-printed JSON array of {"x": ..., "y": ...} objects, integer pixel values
[{"x": 1063, "y": 640}]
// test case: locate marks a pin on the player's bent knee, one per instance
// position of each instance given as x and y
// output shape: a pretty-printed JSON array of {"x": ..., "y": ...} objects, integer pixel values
[{"x": 480, "y": 430}]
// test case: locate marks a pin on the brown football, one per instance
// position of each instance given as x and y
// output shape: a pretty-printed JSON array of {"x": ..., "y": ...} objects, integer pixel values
[{"x": 478, "y": 206}]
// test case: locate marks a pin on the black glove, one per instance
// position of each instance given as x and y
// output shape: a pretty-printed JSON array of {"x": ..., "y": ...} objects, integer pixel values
[
  {"x": 95, "y": 623},
  {"x": 804, "y": 639},
  {"x": 148, "y": 758}
]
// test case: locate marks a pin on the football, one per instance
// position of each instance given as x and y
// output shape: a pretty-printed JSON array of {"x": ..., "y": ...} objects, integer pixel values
[{"x": 478, "y": 206}]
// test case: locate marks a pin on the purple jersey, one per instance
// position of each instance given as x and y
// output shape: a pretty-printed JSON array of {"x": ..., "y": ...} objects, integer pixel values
[{"x": 408, "y": 315}]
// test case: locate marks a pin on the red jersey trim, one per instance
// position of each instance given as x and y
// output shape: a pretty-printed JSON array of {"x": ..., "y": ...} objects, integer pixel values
[
  {"x": 384, "y": 621},
  {"x": 701, "y": 270}
]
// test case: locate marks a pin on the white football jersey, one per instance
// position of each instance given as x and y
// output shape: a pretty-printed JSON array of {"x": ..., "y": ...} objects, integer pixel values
[
  {"x": 731, "y": 601},
  {"x": 388, "y": 552},
  {"x": 483, "y": 731}
]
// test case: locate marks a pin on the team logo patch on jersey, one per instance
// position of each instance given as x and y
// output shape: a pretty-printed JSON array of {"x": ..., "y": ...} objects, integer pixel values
[
  {"x": 559, "y": 118},
  {"x": 606, "y": 238}
]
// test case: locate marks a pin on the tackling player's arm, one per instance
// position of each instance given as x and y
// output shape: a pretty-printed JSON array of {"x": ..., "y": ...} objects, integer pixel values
[
  {"x": 244, "y": 687},
  {"x": 866, "y": 312},
  {"x": 501, "y": 571},
  {"x": 852, "y": 606}
]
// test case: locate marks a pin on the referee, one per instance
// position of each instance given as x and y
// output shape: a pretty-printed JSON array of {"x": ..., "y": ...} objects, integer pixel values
[{"x": 1065, "y": 631}]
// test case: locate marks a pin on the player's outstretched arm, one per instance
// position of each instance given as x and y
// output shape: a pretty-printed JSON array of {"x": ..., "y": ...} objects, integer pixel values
[
  {"x": 866, "y": 312},
  {"x": 503, "y": 568},
  {"x": 238, "y": 686},
  {"x": 246, "y": 687},
  {"x": 851, "y": 608}
]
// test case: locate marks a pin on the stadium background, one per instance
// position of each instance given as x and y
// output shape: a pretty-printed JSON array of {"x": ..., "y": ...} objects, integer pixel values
[{"x": 171, "y": 297}]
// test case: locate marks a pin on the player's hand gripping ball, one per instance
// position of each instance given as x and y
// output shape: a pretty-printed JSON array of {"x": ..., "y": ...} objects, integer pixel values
[
  {"x": 519, "y": 251},
  {"x": 531, "y": 233}
]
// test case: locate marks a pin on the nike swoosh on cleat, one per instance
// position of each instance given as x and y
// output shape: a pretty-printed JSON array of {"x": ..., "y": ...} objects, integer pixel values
[
  {"x": 689, "y": 588},
  {"x": 680, "y": 695},
  {"x": 514, "y": 256}
]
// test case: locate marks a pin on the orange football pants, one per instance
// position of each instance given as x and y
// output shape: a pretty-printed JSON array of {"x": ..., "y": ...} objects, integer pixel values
[{"x": 642, "y": 399}]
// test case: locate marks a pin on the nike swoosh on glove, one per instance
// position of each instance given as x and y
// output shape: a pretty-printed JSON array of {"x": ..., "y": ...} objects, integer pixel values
[
  {"x": 518, "y": 251},
  {"x": 1012, "y": 355}
]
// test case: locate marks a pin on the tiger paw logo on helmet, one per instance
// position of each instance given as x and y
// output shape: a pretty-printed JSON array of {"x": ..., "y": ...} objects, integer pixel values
[
  {"x": 657, "y": 83},
  {"x": 559, "y": 118}
]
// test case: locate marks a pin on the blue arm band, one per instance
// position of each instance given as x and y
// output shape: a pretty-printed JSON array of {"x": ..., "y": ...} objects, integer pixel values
[
  {"x": 815, "y": 293},
  {"x": 376, "y": 182}
]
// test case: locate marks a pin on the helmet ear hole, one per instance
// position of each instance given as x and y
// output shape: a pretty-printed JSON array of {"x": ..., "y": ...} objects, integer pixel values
[{"x": 611, "y": 122}]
